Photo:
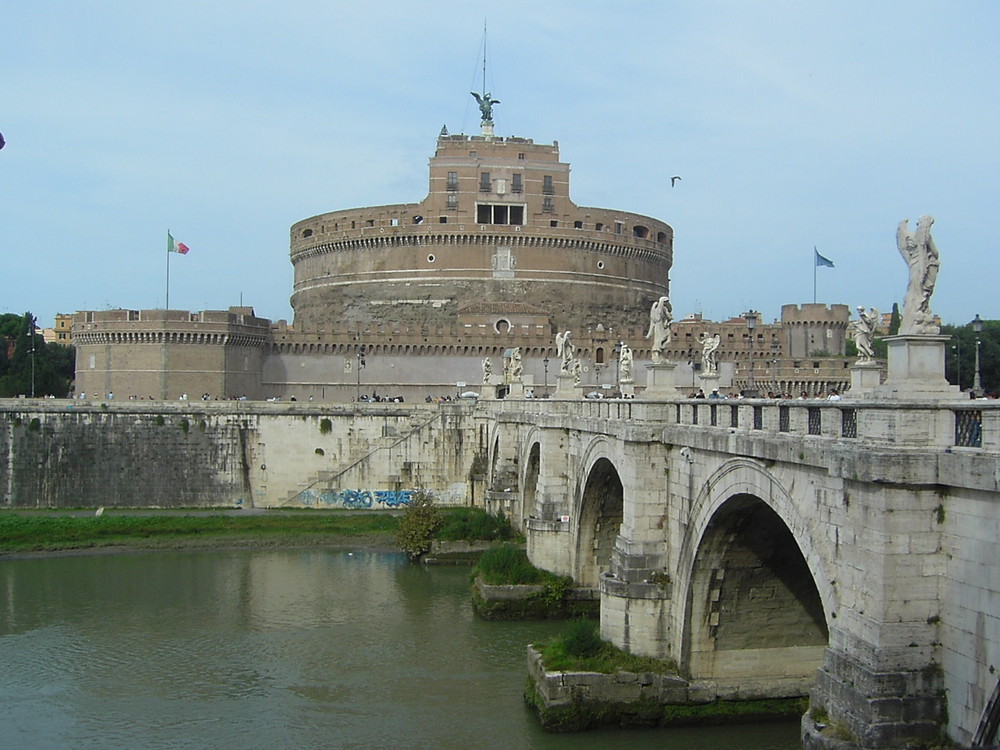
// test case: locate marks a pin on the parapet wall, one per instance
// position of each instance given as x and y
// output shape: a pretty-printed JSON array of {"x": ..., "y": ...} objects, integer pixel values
[{"x": 210, "y": 454}]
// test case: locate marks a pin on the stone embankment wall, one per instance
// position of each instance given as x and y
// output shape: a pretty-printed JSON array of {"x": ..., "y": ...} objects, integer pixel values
[{"x": 62, "y": 454}]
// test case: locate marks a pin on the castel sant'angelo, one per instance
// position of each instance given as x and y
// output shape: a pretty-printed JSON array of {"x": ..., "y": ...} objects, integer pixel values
[{"x": 410, "y": 299}]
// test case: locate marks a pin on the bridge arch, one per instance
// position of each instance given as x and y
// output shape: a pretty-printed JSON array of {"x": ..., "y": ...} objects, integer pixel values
[
  {"x": 531, "y": 461},
  {"x": 599, "y": 514},
  {"x": 753, "y": 587}
]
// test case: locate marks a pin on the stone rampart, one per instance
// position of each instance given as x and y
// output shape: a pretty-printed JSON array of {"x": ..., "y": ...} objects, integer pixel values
[{"x": 64, "y": 454}]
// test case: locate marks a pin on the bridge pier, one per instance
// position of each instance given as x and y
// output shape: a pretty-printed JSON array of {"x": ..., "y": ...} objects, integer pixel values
[{"x": 879, "y": 706}]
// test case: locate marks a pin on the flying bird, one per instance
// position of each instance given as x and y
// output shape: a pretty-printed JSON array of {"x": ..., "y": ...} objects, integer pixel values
[
  {"x": 2, "y": 141},
  {"x": 673, "y": 180}
]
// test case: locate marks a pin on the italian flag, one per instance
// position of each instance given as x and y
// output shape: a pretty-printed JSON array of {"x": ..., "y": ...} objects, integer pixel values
[{"x": 176, "y": 247}]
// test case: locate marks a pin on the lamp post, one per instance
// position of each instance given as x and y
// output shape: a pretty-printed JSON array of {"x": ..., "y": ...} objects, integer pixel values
[
  {"x": 957, "y": 348},
  {"x": 361, "y": 365},
  {"x": 977, "y": 381},
  {"x": 618, "y": 368},
  {"x": 545, "y": 364},
  {"x": 31, "y": 332},
  {"x": 751, "y": 318}
]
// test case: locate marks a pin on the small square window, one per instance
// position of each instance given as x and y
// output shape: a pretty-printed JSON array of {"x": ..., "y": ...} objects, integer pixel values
[{"x": 554, "y": 223}]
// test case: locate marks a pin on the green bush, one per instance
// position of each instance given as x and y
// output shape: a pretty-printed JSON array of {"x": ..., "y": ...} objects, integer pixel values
[
  {"x": 581, "y": 638},
  {"x": 420, "y": 522},
  {"x": 325, "y": 426},
  {"x": 508, "y": 564},
  {"x": 475, "y": 524}
]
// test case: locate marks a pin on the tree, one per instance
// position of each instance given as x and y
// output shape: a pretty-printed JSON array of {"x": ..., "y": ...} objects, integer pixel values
[
  {"x": 895, "y": 320},
  {"x": 420, "y": 521},
  {"x": 960, "y": 359},
  {"x": 29, "y": 366}
]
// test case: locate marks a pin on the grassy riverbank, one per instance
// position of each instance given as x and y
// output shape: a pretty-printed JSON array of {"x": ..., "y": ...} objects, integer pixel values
[{"x": 50, "y": 532}]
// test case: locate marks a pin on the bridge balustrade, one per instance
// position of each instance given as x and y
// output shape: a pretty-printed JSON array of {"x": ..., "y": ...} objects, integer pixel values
[{"x": 972, "y": 425}]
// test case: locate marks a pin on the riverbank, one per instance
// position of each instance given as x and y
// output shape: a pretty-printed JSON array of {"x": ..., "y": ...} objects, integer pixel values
[{"x": 49, "y": 533}]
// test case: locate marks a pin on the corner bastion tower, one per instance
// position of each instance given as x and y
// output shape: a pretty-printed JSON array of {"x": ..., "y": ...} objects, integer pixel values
[{"x": 497, "y": 253}]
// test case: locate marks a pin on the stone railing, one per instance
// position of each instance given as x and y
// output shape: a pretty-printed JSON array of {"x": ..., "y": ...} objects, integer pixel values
[{"x": 973, "y": 425}]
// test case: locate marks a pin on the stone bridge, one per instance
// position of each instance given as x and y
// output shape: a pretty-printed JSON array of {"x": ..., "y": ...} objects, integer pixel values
[{"x": 846, "y": 549}]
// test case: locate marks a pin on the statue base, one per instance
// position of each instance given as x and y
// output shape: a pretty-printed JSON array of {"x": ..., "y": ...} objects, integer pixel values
[
  {"x": 627, "y": 389},
  {"x": 660, "y": 381},
  {"x": 515, "y": 390},
  {"x": 865, "y": 379},
  {"x": 566, "y": 386},
  {"x": 916, "y": 369},
  {"x": 709, "y": 382}
]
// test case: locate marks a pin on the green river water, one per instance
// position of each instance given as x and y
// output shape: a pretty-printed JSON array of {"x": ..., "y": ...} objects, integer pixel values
[{"x": 285, "y": 648}]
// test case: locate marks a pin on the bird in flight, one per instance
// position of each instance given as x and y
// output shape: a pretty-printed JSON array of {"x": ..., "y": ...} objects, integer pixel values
[{"x": 673, "y": 180}]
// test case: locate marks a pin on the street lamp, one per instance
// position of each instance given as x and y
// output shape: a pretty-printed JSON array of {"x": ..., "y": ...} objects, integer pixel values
[
  {"x": 977, "y": 381},
  {"x": 32, "y": 358},
  {"x": 751, "y": 318},
  {"x": 618, "y": 368},
  {"x": 361, "y": 365},
  {"x": 545, "y": 364},
  {"x": 957, "y": 348}
]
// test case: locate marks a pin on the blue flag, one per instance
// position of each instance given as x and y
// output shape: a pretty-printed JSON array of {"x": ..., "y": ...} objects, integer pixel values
[{"x": 821, "y": 261}]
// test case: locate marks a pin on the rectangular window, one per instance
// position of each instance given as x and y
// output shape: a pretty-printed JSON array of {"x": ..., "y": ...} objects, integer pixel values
[
  {"x": 815, "y": 420},
  {"x": 484, "y": 182},
  {"x": 499, "y": 213},
  {"x": 554, "y": 223},
  {"x": 619, "y": 227},
  {"x": 577, "y": 225},
  {"x": 453, "y": 202},
  {"x": 547, "y": 187},
  {"x": 516, "y": 185},
  {"x": 453, "y": 180},
  {"x": 547, "y": 206},
  {"x": 520, "y": 157}
]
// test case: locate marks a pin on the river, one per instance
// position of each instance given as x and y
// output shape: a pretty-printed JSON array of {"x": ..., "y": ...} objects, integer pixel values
[{"x": 285, "y": 648}]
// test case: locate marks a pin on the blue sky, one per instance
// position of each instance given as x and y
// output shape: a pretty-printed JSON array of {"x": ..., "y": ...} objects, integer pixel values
[{"x": 792, "y": 125}]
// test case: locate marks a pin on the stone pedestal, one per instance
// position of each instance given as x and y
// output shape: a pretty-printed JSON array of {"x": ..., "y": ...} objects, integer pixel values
[
  {"x": 565, "y": 386},
  {"x": 627, "y": 389},
  {"x": 916, "y": 369},
  {"x": 515, "y": 390},
  {"x": 660, "y": 380},
  {"x": 865, "y": 379},
  {"x": 709, "y": 382}
]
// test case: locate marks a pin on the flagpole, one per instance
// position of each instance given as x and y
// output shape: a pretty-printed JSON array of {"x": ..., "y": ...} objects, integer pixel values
[
  {"x": 815, "y": 265},
  {"x": 167, "y": 305}
]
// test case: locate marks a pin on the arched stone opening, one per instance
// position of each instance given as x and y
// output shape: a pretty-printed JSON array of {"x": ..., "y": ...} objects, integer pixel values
[
  {"x": 530, "y": 484},
  {"x": 755, "y": 620},
  {"x": 601, "y": 515}
]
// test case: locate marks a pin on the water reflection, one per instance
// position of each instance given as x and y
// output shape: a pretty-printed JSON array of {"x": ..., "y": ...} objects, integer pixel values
[{"x": 286, "y": 648}]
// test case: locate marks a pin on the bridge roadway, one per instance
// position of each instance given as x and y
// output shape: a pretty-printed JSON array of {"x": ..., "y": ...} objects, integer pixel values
[{"x": 774, "y": 548}]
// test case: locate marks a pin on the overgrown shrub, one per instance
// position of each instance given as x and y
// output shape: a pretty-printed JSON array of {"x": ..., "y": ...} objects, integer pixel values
[
  {"x": 420, "y": 522},
  {"x": 475, "y": 524},
  {"x": 581, "y": 638},
  {"x": 508, "y": 564}
]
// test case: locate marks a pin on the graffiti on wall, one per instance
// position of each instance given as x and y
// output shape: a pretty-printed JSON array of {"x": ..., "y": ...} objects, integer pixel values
[{"x": 356, "y": 499}]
